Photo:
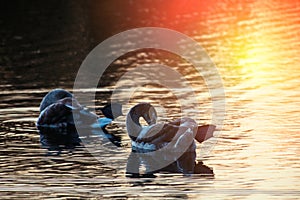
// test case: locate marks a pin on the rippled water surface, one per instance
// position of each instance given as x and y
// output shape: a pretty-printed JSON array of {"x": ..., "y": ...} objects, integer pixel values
[{"x": 256, "y": 48}]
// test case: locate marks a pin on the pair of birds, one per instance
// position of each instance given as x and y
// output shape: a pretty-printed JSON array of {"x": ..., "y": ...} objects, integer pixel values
[{"x": 59, "y": 109}]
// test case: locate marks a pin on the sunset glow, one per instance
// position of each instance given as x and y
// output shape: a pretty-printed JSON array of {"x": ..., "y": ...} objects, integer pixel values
[{"x": 266, "y": 33}]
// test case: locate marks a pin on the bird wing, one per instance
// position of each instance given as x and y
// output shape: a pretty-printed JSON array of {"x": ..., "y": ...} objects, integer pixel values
[
  {"x": 205, "y": 132},
  {"x": 161, "y": 134},
  {"x": 53, "y": 114}
]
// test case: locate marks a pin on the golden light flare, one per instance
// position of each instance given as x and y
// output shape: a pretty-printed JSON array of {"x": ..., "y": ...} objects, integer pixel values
[
  {"x": 256, "y": 53},
  {"x": 263, "y": 41},
  {"x": 258, "y": 39}
]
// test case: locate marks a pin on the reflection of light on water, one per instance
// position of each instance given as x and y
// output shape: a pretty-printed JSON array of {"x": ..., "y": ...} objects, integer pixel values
[
  {"x": 264, "y": 41},
  {"x": 262, "y": 50},
  {"x": 257, "y": 41},
  {"x": 257, "y": 154}
]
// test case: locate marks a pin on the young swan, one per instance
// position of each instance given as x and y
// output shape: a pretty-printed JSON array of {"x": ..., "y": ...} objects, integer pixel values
[
  {"x": 177, "y": 135},
  {"x": 59, "y": 108},
  {"x": 59, "y": 112}
]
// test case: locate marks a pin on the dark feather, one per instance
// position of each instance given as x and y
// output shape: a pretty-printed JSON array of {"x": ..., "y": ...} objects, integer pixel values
[
  {"x": 205, "y": 132},
  {"x": 112, "y": 110}
]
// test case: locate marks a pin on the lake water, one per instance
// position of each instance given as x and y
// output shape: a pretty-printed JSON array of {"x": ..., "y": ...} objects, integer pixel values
[{"x": 256, "y": 48}]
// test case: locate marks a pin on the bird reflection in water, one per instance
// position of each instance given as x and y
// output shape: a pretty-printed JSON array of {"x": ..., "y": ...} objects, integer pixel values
[
  {"x": 186, "y": 164},
  {"x": 56, "y": 140}
]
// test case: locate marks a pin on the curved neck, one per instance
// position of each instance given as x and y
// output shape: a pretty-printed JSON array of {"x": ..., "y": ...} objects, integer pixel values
[{"x": 133, "y": 125}]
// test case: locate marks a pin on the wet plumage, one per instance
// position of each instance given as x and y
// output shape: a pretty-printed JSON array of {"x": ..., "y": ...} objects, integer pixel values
[{"x": 177, "y": 135}]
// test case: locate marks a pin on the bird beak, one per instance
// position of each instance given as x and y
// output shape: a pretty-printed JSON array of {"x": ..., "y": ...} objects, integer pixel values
[{"x": 71, "y": 107}]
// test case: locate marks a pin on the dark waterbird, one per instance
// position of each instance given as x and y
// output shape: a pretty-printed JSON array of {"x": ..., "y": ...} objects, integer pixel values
[
  {"x": 164, "y": 147},
  {"x": 176, "y": 135},
  {"x": 59, "y": 110}
]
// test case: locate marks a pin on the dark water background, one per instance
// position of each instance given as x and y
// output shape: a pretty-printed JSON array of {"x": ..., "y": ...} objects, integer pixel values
[{"x": 255, "y": 45}]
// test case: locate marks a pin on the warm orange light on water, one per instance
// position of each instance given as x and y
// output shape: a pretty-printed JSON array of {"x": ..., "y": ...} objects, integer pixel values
[
  {"x": 265, "y": 33},
  {"x": 265, "y": 39}
]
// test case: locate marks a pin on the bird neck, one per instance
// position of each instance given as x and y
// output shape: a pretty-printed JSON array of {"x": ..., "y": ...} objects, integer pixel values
[{"x": 133, "y": 125}]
